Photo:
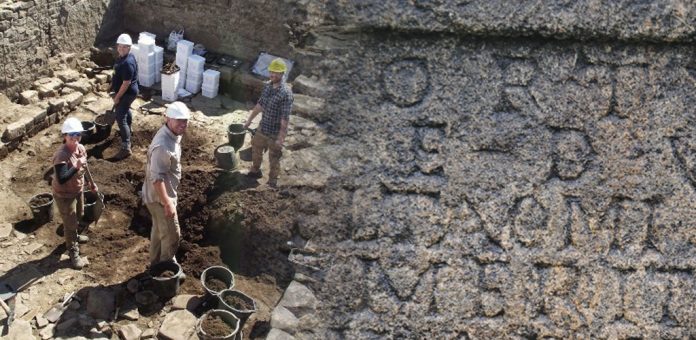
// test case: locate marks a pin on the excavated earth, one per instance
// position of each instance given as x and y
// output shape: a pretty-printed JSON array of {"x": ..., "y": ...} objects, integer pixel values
[{"x": 225, "y": 218}]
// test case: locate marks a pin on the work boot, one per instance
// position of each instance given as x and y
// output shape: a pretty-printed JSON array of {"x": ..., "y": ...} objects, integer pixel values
[
  {"x": 82, "y": 238},
  {"x": 122, "y": 154},
  {"x": 77, "y": 261}
]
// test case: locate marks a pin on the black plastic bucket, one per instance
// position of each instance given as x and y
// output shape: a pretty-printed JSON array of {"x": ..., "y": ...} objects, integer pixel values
[
  {"x": 88, "y": 134},
  {"x": 103, "y": 124},
  {"x": 166, "y": 287},
  {"x": 242, "y": 313},
  {"x": 42, "y": 208},
  {"x": 230, "y": 319},
  {"x": 92, "y": 210},
  {"x": 221, "y": 273},
  {"x": 226, "y": 157},
  {"x": 235, "y": 135}
]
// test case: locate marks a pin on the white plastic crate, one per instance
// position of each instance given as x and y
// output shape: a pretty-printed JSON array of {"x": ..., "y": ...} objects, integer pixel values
[
  {"x": 169, "y": 96},
  {"x": 211, "y": 75},
  {"x": 196, "y": 62},
  {"x": 184, "y": 47},
  {"x": 193, "y": 87},
  {"x": 209, "y": 94}
]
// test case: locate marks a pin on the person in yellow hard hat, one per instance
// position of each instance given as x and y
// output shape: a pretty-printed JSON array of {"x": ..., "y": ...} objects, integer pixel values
[
  {"x": 69, "y": 163},
  {"x": 276, "y": 103}
]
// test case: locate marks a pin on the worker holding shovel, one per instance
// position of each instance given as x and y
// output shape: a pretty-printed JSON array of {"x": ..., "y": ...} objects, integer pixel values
[
  {"x": 162, "y": 176},
  {"x": 70, "y": 162},
  {"x": 124, "y": 84}
]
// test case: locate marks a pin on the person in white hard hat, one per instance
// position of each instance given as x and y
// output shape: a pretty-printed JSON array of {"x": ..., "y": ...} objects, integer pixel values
[
  {"x": 69, "y": 163},
  {"x": 162, "y": 176},
  {"x": 124, "y": 84}
]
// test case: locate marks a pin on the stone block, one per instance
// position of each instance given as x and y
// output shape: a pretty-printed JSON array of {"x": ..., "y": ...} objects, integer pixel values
[
  {"x": 102, "y": 78},
  {"x": 17, "y": 129},
  {"x": 178, "y": 325},
  {"x": 81, "y": 85},
  {"x": 130, "y": 332},
  {"x": 309, "y": 86},
  {"x": 56, "y": 105},
  {"x": 298, "y": 297},
  {"x": 20, "y": 330},
  {"x": 37, "y": 113},
  {"x": 190, "y": 302},
  {"x": 73, "y": 100},
  {"x": 48, "y": 87},
  {"x": 277, "y": 334},
  {"x": 67, "y": 75},
  {"x": 29, "y": 97},
  {"x": 309, "y": 107},
  {"x": 64, "y": 91},
  {"x": 283, "y": 319}
]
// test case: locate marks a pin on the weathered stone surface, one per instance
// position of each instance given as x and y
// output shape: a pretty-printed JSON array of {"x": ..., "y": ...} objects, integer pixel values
[
  {"x": 67, "y": 75},
  {"x": 47, "y": 87},
  {"x": 309, "y": 107},
  {"x": 177, "y": 325},
  {"x": 47, "y": 332},
  {"x": 129, "y": 332},
  {"x": 56, "y": 105},
  {"x": 5, "y": 230},
  {"x": 283, "y": 319},
  {"x": 189, "y": 302},
  {"x": 298, "y": 297},
  {"x": 310, "y": 86},
  {"x": 20, "y": 330},
  {"x": 277, "y": 334},
  {"x": 29, "y": 97},
  {"x": 81, "y": 85},
  {"x": 17, "y": 129},
  {"x": 73, "y": 99}
]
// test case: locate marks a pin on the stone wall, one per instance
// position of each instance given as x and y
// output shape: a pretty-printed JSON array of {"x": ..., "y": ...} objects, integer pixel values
[
  {"x": 492, "y": 186},
  {"x": 239, "y": 28},
  {"x": 32, "y": 32}
]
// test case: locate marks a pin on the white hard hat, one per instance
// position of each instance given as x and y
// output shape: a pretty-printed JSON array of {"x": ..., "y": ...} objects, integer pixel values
[
  {"x": 72, "y": 124},
  {"x": 178, "y": 110},
  {"x": 124, "y": 39}
]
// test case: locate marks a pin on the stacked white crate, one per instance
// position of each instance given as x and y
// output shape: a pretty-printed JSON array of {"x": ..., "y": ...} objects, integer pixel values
[
  {"x": 211, "y": 83},
  {"x": 146, "y": 60},
  {"x": 194, "y": 73},
  {"x": 184, "y": 49},
  {"x": 159, "y": 62},
  {"x": 170, "y": 84}
]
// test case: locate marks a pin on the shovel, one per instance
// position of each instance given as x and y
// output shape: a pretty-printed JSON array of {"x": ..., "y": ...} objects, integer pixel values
[{"x": 99, "y": 204}]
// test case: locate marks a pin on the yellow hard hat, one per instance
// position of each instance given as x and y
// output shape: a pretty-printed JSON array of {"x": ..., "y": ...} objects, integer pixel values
[{"x": 277, "y": 65}]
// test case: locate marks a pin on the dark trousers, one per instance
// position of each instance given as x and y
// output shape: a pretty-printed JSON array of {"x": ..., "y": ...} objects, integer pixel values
[{"x": 124, "y": 119}]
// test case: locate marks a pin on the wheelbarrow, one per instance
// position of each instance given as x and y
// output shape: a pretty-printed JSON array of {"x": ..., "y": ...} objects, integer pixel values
[{"x": 7, "y": 293}]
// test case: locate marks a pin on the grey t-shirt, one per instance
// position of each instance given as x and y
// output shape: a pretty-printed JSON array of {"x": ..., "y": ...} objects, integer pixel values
[{"x": 163, "y": 163}]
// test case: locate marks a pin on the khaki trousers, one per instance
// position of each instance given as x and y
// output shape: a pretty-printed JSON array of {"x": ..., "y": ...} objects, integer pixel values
[
  {"x": 258, "y": 143},
  {"x": 165, "y": 235},
  {"x": 71, "y": 210}
]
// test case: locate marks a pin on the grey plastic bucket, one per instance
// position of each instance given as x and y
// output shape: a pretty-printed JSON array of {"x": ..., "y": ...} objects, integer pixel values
[
  {"x": 42, "y": 212},
  {"x": 226, "y": 316},
  {"x": 165, "y": 287},
  {"x": 226, "y": 157},
  {"x": 221, "y": 273},
  {"x": 235, "y": 135},
  {"x": 242, "y": 314}
]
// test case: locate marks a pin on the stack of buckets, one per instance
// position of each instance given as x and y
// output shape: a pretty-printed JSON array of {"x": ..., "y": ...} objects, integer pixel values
[
  {"x": 211, "y": 83},
  {"x": 233, "y": 313},
  {"x": 194, "y": 73},
  {"x": 184, "y": 49}
]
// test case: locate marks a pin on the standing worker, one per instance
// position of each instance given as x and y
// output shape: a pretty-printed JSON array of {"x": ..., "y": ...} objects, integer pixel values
[
  {"x": 162, "y": 176},
  {"x": 125, "y": 85},
  {"x": 69, "y": 163},
  {"x": 276, "y": 104}
]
